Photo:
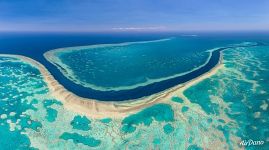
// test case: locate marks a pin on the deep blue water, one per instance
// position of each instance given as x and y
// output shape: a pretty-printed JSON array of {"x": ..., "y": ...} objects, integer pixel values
[
  {"x": 234, "y": 104},
  {"x": 129, "y": 65},
  {"x": 34, "y": 45}
]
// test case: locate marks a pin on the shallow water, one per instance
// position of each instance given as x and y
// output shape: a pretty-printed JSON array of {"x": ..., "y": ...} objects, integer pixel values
[
  {"x": 218, "y": 112},
  {"x": 128, "y": 65}
]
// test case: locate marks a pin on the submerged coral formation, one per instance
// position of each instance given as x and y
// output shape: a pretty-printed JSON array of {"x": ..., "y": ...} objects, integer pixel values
[{"x": 216, "y": 113}]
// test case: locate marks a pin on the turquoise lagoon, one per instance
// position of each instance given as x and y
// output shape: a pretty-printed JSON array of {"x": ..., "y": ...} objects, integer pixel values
[
  {"x": 127, "y": 65},
  {"x": 218, "y": 112},
  {"x": 124, "y": 71}
]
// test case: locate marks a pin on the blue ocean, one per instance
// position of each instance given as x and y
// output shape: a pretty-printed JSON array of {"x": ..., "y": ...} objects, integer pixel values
[
  {"x": 123, "y": 66},
  {"x": 225, "y": 110}
]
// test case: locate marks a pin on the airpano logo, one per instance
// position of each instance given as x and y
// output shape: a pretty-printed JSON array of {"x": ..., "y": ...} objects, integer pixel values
[{"x": 251, "y": 142}]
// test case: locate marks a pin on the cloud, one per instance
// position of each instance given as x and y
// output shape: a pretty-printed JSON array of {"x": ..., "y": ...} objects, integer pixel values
[{"x": 139, "y": 28}]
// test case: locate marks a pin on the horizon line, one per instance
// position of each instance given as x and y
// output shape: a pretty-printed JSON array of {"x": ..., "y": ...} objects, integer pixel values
[{"x": 134, "y": 31}]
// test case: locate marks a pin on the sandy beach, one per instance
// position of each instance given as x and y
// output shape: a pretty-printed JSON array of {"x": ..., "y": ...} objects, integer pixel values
[{"x": 100, "y": 109}]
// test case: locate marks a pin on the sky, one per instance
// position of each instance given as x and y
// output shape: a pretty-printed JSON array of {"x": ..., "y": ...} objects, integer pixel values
[{"x": 133, "y": 15}]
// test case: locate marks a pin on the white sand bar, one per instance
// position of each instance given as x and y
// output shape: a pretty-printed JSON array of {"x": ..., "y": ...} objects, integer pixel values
[{"x": 113, "y": 109}]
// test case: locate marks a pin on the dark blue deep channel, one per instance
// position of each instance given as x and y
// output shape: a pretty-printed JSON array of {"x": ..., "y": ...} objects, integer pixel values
[{"x": 35, "y": 45}]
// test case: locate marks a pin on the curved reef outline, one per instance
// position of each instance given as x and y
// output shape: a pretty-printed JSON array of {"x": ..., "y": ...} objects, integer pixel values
[
  {"x": 100, "y": 109},
  {"x": 142, "y": 90},
  {"x": 52, "y": 57}
]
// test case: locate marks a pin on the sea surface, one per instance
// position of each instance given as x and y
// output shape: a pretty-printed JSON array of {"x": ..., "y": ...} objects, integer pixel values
[
  {"x": 118, "y": 67},
  {"x": 219, "y": 112}
]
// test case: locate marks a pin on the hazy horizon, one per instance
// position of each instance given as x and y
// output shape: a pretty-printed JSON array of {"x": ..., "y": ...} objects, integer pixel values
[{"x": 134, "y": 15}]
